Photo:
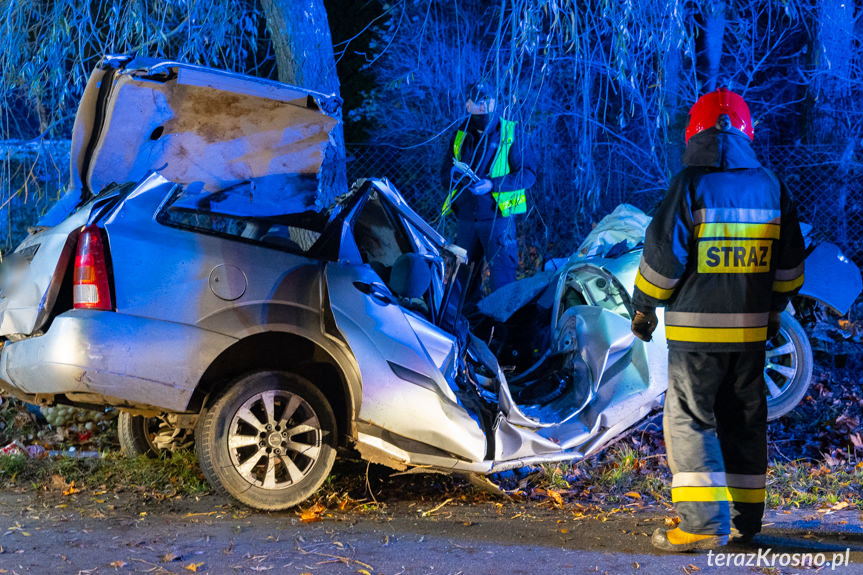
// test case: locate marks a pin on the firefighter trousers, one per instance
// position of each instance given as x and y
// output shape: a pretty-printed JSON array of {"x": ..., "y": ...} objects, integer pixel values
[{"x": 715, "y": 427}]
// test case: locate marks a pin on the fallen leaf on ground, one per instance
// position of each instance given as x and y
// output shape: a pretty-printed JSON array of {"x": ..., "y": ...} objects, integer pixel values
[
  {"x": 633, "y": 494},
  {"x": 671, "y": 522},
  {"x": 313, "y": 513},
  {"x": 193, "y": 567},
  {"x": 830, "y": 460},
  {"x": 554, "y": 496},
  {"x": 118, "y": 563},
  {"x": 835, "y": 507}
]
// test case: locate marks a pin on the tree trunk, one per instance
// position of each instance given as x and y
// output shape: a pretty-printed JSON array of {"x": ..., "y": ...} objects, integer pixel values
[
  {"x": 301, "y": 40},
  {"x": 714, "y": 33},
  {"x": 829, "y": 120},
  {"x": 833, "y": 54},
  {"x": 674, "y": 110}
]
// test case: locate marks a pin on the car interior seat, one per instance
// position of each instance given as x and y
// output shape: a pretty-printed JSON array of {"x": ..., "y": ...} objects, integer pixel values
[
  {"x": 410, "y": 279},
  {"x": 281, "y": 236}
]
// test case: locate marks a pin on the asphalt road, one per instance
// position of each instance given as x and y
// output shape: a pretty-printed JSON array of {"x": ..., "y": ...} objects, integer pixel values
[{"x": 89, "y": 533}]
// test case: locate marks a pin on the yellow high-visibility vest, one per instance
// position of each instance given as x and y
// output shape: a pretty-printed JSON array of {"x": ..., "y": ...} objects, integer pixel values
[{"x": 508, "y": 203}]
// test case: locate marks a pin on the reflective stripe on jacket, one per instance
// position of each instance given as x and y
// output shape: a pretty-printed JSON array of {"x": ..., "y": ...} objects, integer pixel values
[
  {"x": 509, "y": 203},
  {"x": 724, "y": 249}
]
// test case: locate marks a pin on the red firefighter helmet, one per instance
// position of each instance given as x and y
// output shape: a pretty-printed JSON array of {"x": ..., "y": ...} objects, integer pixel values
[{"x": 706, "y": 111}]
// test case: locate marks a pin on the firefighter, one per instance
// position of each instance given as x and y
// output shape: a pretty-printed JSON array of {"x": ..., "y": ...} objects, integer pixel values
[
  {"x": 487, "y": 204},
  {"x": 723, "y": 255}
]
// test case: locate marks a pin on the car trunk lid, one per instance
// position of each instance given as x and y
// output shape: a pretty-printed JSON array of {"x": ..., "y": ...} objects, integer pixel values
[
  {"x": 196, "y": 124},
  {"x": 189, "y": 123}
]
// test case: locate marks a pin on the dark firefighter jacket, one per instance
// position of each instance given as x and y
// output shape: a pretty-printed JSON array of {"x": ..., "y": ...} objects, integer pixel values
[
  {"x": 724, "y": 249},
  {"x": 494, "y": 153}
]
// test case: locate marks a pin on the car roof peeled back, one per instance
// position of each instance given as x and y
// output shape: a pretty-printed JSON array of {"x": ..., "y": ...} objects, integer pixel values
[{"x": 197, "y": 124}]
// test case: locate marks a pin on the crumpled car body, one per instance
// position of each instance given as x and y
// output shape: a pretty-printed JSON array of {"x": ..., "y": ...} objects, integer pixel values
[
  {"x": 832, "y": 281},
  {"x": 197, "y": 283}
]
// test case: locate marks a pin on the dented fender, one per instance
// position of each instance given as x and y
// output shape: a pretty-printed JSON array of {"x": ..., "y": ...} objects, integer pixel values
[
  {"x": 831, "y": 278},
  {"x": 99, "y": 353}
]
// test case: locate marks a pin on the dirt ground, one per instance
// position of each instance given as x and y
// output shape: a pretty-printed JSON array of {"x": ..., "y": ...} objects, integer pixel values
[{"x": 97, "y": 533}]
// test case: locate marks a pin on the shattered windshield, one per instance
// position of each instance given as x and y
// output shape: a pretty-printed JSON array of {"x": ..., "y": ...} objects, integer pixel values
[{"x": 252, "y": 211}]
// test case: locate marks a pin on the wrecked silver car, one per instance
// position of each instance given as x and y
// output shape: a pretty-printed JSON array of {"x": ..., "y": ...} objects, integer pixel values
[{"x": 189, "y": 280}]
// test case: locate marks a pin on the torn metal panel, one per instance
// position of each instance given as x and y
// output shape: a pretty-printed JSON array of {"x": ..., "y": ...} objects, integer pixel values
[
  {"x": 831, "y": 278},
  {"x": 414, "y": 400},
  {"x": 29, "y": 274},
  {"x": 195, "y": 124}
]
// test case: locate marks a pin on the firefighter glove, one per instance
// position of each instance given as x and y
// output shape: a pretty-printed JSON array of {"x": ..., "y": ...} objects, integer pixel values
[
  {"x": 481, "y": 187},
  {"x": 643, "y": 324}
]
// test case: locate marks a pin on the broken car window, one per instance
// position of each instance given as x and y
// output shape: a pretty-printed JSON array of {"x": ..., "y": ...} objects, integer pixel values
[
  {"x": 249, "y": 211},
  {"x": 378, "y": 239}
]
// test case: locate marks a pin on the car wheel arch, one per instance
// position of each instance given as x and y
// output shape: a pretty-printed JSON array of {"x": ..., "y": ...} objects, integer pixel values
[{"x": 283, "y": 351}]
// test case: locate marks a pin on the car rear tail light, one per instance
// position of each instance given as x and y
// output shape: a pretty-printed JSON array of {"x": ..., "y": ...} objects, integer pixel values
[{"x": 91, "y": 287}]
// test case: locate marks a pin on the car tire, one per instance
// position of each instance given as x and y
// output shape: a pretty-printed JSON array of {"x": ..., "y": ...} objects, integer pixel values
[
  {"x": 788, "y": 369},
  {"x": 139, "y": 435},
  {"x": 245, "y": 444}
]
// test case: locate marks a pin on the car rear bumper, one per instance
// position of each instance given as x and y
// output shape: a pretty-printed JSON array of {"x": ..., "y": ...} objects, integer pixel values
[{"x": 122, "y": 358}]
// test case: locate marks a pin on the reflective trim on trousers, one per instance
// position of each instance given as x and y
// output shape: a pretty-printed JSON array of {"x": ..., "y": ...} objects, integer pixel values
[
  {"x": 735, "y": 494},
  {"x": 746, "y": 481},
  {"x": 709, "y": 320},
  {"x": 740, "y": 495},
  {"x": 715, "y": 335},
  {"x": 698, "y": 479}
]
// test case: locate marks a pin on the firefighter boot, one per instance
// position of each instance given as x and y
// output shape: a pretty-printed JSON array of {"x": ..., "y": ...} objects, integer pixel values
[{"x": 678, "y": 541}]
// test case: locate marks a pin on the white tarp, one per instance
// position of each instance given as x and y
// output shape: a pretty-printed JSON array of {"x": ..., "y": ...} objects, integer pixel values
[{"x": 626, "y": 223}]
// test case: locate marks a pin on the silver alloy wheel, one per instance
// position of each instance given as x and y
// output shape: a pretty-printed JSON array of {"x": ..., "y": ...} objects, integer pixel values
[
  {"x": 781, "y": 366},
  {"x": 274, "y": 439}
]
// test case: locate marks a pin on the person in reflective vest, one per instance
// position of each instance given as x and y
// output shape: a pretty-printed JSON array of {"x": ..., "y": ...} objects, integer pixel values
[
  {"x": 487, "y": 201},
  {"x": 723, "y": 255}
]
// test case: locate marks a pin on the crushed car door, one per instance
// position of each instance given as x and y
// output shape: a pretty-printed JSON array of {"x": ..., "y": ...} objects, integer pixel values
[{"x": 404, "y": 390}]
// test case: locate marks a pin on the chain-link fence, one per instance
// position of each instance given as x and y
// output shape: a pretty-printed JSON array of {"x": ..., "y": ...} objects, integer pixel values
[
  {"x": 829, "y": 195},
  {"x": 416, "y": 172}
]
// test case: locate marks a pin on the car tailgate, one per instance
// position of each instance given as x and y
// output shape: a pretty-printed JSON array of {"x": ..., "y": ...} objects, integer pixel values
[
  {"x": 197, "y": 124},
  {"x": 30, "y": 278}
]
